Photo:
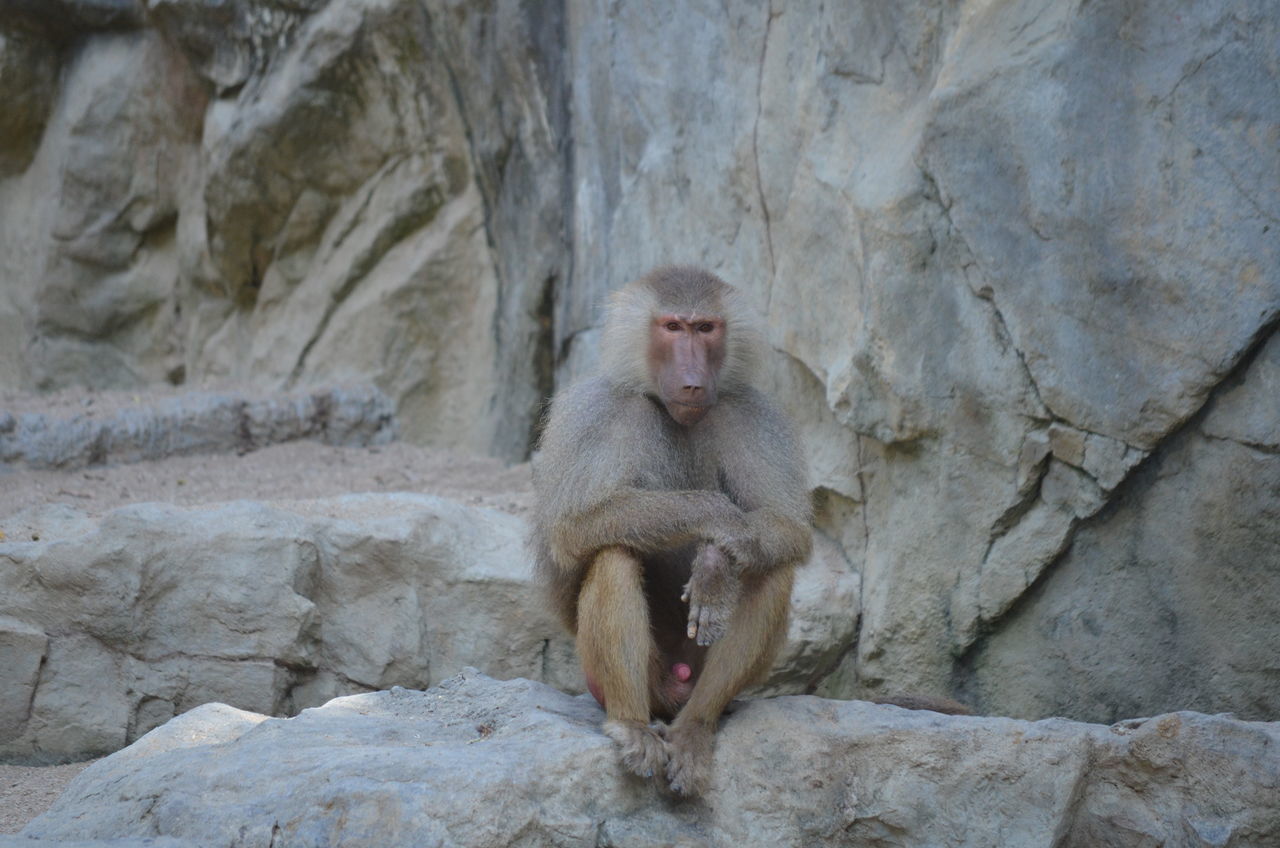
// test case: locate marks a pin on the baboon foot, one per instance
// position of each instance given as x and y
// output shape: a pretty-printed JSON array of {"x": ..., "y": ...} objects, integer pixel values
[
  {"x": 690, "y": 753},
  {"x": 640, "y": 746}
]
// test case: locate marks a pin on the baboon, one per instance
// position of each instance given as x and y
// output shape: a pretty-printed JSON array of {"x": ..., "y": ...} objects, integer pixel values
[{"x": 672, "y": 510}]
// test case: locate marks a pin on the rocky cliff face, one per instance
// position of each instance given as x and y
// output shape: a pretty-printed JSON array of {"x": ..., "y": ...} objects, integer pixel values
[{"x": 1019, "y": 263}]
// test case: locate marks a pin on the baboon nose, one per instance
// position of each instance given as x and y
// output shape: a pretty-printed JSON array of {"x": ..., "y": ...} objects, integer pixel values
[{"x": 692, "y": 389}]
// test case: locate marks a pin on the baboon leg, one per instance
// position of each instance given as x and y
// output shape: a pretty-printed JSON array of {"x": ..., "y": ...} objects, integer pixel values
[
  {"x": 745, "y": 654},
  {"x": 619, "y": 655}
]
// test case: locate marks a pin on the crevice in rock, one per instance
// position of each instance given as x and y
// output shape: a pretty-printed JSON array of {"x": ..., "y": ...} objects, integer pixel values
[
  {"x": 1007, "y": 337},
  {"x": 544, "y": 361},
  {"x": 1066, "y": 834},
  {"x": 1232, "y": 178},
  {"x": 862, "y": 496},
  {"x": 866, "y": 552},
  {"x": 568, "y": 189},
  {"x": 755, "y": 148},
  {"x": 1128, "y": 487},
  {"x": 1260, "y": 447},
  {"x": 1189, "y": 74},
  {"x": 35, "y": 684},
  {"x": 562, "y": 352},
  {"x": 934, "y": 193},
  {"x": 244, "y": 429},
  {"x": 1016, "y": 511},
  {"x": 468, "y": 131},
  {"x": 428, "y": 202},
  {"x": 544, "y": 661},
  {"x": 830, "y": 668}
]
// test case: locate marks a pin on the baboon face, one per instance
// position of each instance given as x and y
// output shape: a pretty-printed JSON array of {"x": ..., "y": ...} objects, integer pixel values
[{"x": 685, "y": 355}]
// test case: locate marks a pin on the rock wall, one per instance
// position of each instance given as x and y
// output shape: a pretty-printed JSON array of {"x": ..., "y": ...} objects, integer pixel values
[
  {"x": 1018, "y": 262},
  {"x": 285, "y": 193}
]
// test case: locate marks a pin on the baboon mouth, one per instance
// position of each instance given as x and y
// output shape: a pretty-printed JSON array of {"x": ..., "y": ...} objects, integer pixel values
[{"x": 687, "y": 413}]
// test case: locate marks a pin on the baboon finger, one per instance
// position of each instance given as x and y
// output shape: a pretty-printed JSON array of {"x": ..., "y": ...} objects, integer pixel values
[{"x": 706, "y": 627}]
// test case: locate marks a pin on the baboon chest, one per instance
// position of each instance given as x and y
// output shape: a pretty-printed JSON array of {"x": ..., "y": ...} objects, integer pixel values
[{"x": 688, "y": 461}]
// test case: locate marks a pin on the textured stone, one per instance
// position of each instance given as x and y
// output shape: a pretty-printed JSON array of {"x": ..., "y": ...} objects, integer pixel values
[
  {"x": 196, "y": 422},
  {"x": 477, "y": 762},
  {"x": 968, "y": 226},
  {"x": 159, "y": 609},
  {"x": 156, "y": 609},
  {"x": 28, "y": 72},
  {"x": 346, "y": 218},
  {"x": 1005, "y": 253},
  {"x": 87, "y": 248},
  {"x": 1188, "y": 560},
  {"x": 65, "y": 19},
  {"x": 22, "y": 649},
  {"x": 228, "y": 40}
]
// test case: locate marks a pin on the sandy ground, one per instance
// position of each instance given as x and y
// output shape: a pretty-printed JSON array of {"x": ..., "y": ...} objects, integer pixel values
[
  {"x": 27, "y": 791},
  {"x": 289, "y": 471}
]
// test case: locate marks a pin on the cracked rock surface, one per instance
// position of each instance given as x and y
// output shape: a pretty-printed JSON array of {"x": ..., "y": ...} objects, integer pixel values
[
  {"x": 477, "y": 762},
  {"x": 111, "y": 626},
  {"x": 1019, "y": 264}
]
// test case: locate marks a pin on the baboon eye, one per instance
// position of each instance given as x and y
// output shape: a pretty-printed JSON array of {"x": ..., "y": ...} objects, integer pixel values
[
  {"x": 706, "y": 327},
  {"x": 673, "y": 326}
]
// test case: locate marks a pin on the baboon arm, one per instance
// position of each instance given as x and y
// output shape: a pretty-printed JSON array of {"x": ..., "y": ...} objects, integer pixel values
[
  {"x": 776, "y": 539},
  {"x": 763, "y": 472},
  {"x": 646, "y": 521}
]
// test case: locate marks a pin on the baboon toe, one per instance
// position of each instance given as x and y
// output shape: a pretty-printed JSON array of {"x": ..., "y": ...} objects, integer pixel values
[
  {"x": 689, "y": 760},
  {"x": 640, "y": 746}
]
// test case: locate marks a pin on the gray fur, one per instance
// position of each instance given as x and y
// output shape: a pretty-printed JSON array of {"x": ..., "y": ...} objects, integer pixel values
[{"x": 615, "y": 469}]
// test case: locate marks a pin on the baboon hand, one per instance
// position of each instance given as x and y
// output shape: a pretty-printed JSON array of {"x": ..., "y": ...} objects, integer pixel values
[
  {"x": 711, "y": 593},
  {"x": 731, "y": 535}
]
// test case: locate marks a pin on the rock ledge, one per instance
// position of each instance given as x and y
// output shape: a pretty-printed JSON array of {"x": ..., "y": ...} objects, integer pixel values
[{"x": 476, "y": 761}]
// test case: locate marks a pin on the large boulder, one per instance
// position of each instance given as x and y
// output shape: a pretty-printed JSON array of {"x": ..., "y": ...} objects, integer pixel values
[
  {"x": 476, "y": 762},
  {"x": 110, "y": 627},
  {"x": 157, "y": 609}
]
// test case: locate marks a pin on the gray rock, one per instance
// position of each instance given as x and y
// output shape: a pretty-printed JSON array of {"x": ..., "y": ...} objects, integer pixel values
[
  {"x": 196, "y": 422},
  {"x": 160, "y": 609},
  {"x": 1005, "y": 254},
  {"x": 65, "y": 19},
  {"x": 970, "y": 228},
  {"x": 127, "y": 842},
  {"x": 229, "y": 41},
  {"x": 28, "y": 73},
  {"x": 478, "y": 762},
  {"x": 346, "y": 214},
  {"x": 87, "y": 249},
  {"x": 1170, "y": 596},
  {"x": 110, "y": 628}
]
